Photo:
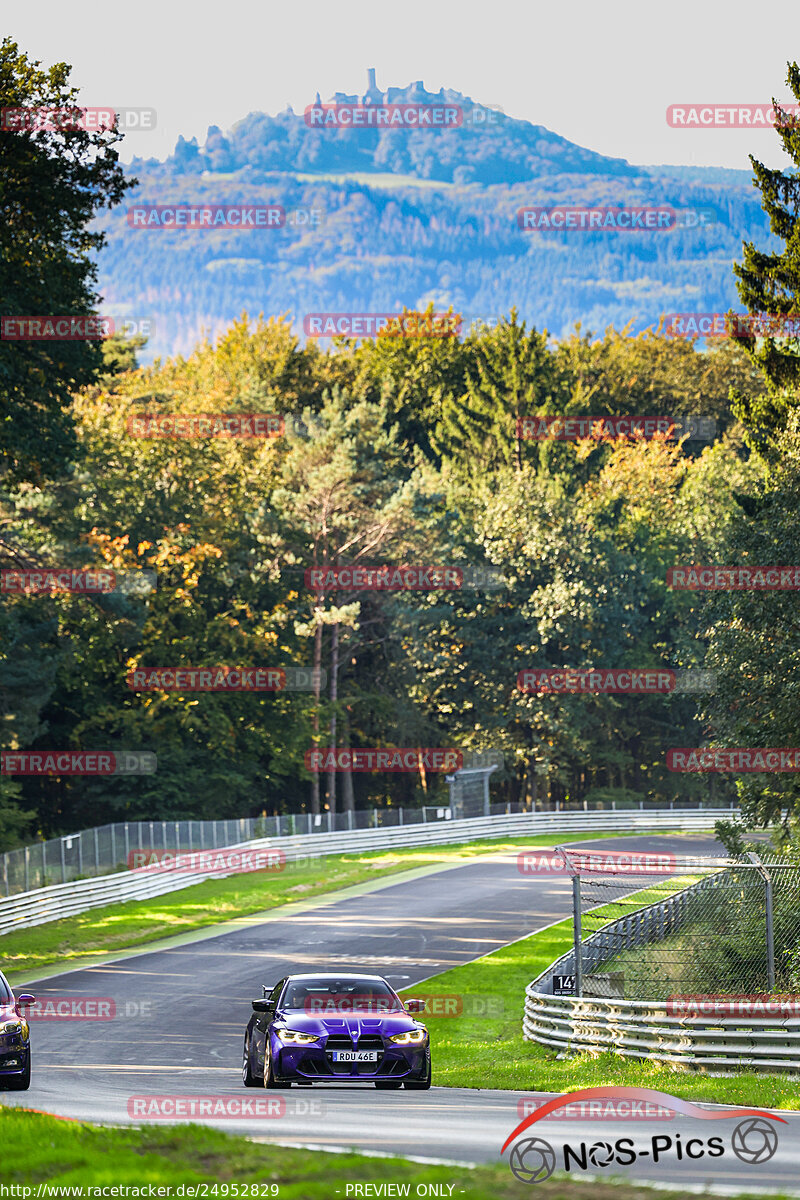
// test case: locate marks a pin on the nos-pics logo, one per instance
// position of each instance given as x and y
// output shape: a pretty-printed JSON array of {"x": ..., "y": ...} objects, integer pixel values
[{"x": 753, "y": 1140}]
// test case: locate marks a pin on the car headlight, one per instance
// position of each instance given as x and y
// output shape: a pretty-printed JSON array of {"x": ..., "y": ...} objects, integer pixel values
[
  {"x": 412, "y": 1037},
  {"x": 295, "y": 1038},
  {"x": 11, "y": 1026}
]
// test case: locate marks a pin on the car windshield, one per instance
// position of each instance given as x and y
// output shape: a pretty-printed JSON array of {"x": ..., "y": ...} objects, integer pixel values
[{"x": 330, "y": 995}]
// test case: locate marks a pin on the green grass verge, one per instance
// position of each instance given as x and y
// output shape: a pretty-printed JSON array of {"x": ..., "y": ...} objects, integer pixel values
[
  {"x": 135, "y": 923},
  {"x": 484, "y": 1048},
  {"x": 69, "y": 1154}
]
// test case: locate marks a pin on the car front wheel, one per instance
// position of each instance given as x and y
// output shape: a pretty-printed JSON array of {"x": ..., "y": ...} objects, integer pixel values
[
  {"x": 269, "y": 1075},
  {"x": 248, "y": 1078}
]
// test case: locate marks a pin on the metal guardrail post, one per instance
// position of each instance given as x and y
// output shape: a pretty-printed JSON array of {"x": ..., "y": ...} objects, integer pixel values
[
  {"x": 63, "y": 864},
  {"x": 96, "y": 852},
  {"x": 5, "y": 873},
  {"x": 27, "y": 868}
]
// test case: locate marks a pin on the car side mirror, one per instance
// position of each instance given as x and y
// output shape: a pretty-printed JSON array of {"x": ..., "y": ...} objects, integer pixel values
[
  {"x": 415, "y": 1006},
  {"x": 262, "y": 1006},
  {"x": 25, "y": 998}
]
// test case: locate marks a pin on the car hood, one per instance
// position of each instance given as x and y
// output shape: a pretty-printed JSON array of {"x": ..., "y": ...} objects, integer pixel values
[{"x": 384, "y": 1023}]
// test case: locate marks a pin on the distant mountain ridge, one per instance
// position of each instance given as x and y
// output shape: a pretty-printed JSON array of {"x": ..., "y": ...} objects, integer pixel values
[
  {"x": 492, "y": 150},
  {"x": 381, "y": 219}
]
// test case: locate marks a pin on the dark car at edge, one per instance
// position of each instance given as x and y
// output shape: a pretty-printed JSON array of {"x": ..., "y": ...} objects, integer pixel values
[{"x": 15, "y": 1039}]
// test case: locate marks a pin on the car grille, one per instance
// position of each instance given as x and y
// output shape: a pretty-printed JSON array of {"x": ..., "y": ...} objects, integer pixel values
[{"x": 367, "y": 1041}]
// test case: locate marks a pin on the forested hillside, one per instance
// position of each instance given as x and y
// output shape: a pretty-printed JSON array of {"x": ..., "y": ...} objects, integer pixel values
[
  {"x": 404, "y": 452},
  {"x": 379, "y": 220}
]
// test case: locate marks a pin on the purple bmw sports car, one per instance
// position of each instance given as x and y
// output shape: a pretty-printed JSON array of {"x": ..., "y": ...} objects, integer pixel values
[{"x": 335, "y": 1028}]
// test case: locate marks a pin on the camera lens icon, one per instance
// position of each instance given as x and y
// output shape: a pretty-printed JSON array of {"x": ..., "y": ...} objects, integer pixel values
[
  {"x": 533, "y": 1160},
  {"x": 754, "y": 1141},
  {"x": 601, "y": 1154}
]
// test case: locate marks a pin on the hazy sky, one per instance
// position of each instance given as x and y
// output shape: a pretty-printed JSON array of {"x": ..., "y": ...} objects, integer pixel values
[{"x": 599, "y": 73}]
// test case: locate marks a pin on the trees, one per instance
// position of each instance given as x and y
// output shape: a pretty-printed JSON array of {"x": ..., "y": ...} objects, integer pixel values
[
  {"x": 755, "y": 635},
  {"x": 510, "y": 372},
  {"x": 52, "y": 184},
  {"x": 769, "y": 282},
  {"x": 344, "y": 500}
]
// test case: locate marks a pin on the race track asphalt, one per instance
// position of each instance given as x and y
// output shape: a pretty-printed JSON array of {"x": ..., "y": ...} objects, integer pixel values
[{"x": 180, "y": 1013}]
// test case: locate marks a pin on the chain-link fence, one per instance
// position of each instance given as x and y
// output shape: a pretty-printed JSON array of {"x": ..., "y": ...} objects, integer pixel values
[
  {"x": 109, "y": 848},
  {"x": 658, "y": 926}
]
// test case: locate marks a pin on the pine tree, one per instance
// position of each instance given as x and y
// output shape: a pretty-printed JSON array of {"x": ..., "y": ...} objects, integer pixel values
[
  {"x": 769, "y": 282},
  {"x": 515, "y": 374}
]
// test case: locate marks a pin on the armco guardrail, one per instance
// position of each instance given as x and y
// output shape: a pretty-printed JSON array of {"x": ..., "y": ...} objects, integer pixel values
[
  {"x": 647, "y": 1028},
  {"x": 62, "y": 900}
]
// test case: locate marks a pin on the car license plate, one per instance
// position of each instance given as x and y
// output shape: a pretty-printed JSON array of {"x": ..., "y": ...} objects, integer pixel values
[{"x": 354, "y": 1055}]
